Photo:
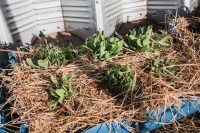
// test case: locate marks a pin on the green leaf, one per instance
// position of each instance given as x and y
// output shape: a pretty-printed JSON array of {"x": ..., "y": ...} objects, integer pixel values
[
  {"x": 163, "y": 38},
  {"x": 43, "y": 63},
  {"x": 54, "y": 80},
  {"x": 133, "y": 32},
  {"x": 132, "y": 37},
  {"x": 60, "y": 92},
  {"x": 142, "y": 30},
  {"x": 117, "y": 49},
  {"x": 146, "y": 42},
  {"x": 30, "y": 62},
  {"x": 51, "y": 56},
  {"x": 149, "y": 30},
  {"x": 53, "y": 93},
  {"x": 102, "y": 49},
  {"x": 61, "y": 99},
  {"x": 86, "y": 47},
  {"x": 112, "y": 76},
  {"x": 125, "y": 44},
  {"x": 70, "y": 94},
  {"x": 112, "y": 39},
  {"x": 66, "y": 78},
  {"x": 53, "y": 103},
  {"x": 107, "y": 56},
  {"x": 139, "y": 43}
]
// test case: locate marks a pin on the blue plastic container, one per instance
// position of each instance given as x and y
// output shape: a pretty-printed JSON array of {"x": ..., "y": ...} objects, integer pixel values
[
  {"x": 108, "y": 127},
  {"x": 166, "y": 116}
]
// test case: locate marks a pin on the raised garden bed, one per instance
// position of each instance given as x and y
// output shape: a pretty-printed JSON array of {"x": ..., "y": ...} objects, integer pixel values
[{"x": 109, "y": 79}]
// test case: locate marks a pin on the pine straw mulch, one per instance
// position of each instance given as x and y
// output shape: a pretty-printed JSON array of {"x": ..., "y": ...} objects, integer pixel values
[
  {"x": 29, "y": 98},
  {"x": 95, "y": 103}
]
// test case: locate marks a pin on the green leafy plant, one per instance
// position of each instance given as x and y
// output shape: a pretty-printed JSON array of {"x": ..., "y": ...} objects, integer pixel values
[
  {"x": 37, "y": 63},
  {"x": 50, "y": 54},
  {"x": 56, "y": 55},
  {"x": 144, "y": 40},
  {"x": 120, "y": 76},
  {"x": 104, "y": 48},
  {"x": 61, "y": 90},
  {"x": 161, "y": 67}
]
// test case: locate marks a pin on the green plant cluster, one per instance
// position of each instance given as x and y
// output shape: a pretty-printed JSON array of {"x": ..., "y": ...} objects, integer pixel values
[
  {"x": 51, "y": 54},
  {"x": 37, "y": 63},
  {"x": 144, "y": 41},
  {"x": 120, "y": 76},
  {"x": 61, "y": 91},
  {"x": 161, "y": 67},
  {"x": 104, "y": 48},
  {"x": 57, "y": 55}
]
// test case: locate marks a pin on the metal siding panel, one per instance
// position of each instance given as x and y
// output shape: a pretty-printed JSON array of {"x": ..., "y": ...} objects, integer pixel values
[
  {"x": 134, "y": 10},
  {"x": 5, "y": 35},
  {"x": 79, "y": 17},
  {"x": 157, "y": 9},
  {"x": 26, "y": 18},
  {"x": 20, "y": 19},
  {"x": 49, "y": 18},
  {"x": 112, "y": 15},
  {"x": 164, "y": 4},
  {"x": 191, "y": 4}
]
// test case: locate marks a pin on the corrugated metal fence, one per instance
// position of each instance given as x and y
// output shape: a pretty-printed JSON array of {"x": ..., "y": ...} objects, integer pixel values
[
  {"x": 79, "y": 16},
  {"x": 19, "y": 17},
  {"x": 134, "y": 9},
  {"x": 21, "y": 20},
  {"x": 26, "y": 18}
]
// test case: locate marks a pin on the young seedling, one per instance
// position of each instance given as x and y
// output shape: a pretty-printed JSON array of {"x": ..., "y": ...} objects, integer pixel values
[
  {"x": 56, "y": 55},
  {"x": 161, "y": 67},
  {"x": 104, "y": 48},
  {"x": 120, "y": 76},
  {"x": 49, "y": 55},
  {"x": 61, "y": 90},
  {"x": 144, "y": 40},
  {"x": 37, "y": 63}
]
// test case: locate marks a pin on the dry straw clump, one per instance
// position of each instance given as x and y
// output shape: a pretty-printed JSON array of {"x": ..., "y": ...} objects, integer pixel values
[
  {"x": 95, "y": 103},
  {"x": 29, "y": 97}
]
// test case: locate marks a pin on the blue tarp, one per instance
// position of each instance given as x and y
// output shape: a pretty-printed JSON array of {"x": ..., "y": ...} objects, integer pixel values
[
  {"x": 156, "y": 120},
  {"x": 111, "y": 127},
  {"x": 168, "y": 114}
]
